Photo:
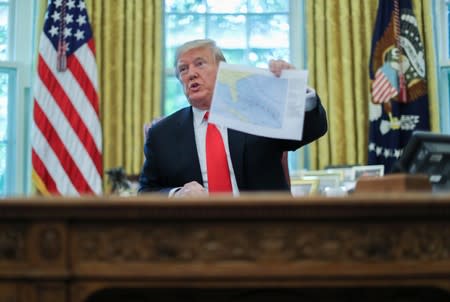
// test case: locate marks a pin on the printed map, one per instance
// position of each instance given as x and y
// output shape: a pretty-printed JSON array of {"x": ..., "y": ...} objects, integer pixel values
[{"x": 253, "y": 98}]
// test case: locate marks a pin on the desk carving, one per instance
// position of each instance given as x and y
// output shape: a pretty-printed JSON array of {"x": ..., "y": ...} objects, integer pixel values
[
  {"x": 12, "y": 243},
  {"x": 251, "y": 242},
  {"x": 74, "y": 250}
]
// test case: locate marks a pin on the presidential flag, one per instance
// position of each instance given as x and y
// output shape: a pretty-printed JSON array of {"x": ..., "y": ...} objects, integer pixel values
[
  {"x": 67, "y": 136},
  {"x": 399, "y": 103}
]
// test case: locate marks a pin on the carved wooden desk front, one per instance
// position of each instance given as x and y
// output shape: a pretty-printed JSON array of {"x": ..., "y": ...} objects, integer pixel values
[{"x": 77, "y": 249}]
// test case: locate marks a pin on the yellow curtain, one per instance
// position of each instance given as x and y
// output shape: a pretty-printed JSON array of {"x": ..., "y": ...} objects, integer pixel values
[
  {"x": 339, "y": 37},
  {"x": 129, "y": 44}
]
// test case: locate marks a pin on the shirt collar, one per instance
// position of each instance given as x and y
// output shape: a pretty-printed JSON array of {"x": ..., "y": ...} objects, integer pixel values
[{"x": 198, "y": 116}]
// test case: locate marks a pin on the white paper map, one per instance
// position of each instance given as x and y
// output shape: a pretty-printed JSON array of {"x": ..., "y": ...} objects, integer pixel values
[{"x": 255, "y": 101}]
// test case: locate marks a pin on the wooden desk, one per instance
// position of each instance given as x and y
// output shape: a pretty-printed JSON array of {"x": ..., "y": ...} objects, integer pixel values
[{"x": 78, "y": 249}]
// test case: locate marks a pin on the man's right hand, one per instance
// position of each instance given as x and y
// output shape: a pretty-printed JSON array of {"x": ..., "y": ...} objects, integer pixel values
[{"x": 193, "y": 189}]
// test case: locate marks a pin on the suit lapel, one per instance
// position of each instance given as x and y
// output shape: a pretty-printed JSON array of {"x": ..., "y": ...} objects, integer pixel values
[
  {"x": 236, "y": 145},
  {"x": 187, "y": 152}
]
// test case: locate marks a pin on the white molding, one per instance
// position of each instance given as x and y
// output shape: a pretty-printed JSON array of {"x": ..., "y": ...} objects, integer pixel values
[
  {"x": 24, "y": 28},
  {"x": 440, "y": 14},
  {"x": 442, "y": 31},
  {"x": 444, "y": 108},
  {"x": 297, "y": 31}
]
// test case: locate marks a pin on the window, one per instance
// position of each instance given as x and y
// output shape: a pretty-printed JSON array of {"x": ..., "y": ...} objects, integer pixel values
[
  {"x": 7, "y": 85},
  {"x": 15, "y": 66},
  {"x": 249, "y": 32},
  {"x": 7, "y": 88},
  {"x": 442, "y": 36},
  {"x": 5, "y": 8}
]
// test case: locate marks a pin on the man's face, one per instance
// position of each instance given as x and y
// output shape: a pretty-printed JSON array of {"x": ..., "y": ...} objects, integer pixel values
[{"x": 197, "y": 72}]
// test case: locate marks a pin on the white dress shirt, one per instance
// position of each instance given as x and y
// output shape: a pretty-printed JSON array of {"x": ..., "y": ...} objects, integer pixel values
[{"x": 200, "y": 126}]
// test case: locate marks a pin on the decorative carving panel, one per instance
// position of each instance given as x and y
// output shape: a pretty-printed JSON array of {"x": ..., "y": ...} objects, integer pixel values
[
  {"x": 70, "y": 250},
  {"x": 51, "y": 292},
  {"x": 254, "y": 242},
  {"x": 8, "y": 292},
  {"x": 50, "y": 243},
  {"x": 12, "y": 243}
]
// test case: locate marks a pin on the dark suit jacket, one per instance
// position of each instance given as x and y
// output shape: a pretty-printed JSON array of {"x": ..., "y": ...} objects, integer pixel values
[{"x": 171, "y": 158}]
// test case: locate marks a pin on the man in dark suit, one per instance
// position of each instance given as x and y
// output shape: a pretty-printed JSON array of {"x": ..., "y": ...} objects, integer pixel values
[{"x": 175, "y": 146}]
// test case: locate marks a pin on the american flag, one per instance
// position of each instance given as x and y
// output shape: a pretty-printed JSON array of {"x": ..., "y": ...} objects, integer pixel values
[{"x": 67, "y": 135}]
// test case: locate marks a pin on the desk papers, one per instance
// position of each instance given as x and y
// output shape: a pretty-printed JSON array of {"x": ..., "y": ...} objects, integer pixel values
[{"x": 255, "y": 101}]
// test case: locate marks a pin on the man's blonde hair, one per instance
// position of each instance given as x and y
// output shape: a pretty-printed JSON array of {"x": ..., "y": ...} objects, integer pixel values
[{"x": 201, "y": 43}]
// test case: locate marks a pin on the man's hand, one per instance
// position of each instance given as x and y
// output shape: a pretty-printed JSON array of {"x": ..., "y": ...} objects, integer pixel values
[
  {"x": 192, "y": 188},
  {"x": 277, "y": 66}
]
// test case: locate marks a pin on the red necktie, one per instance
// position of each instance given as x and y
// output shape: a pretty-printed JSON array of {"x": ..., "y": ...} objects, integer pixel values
[{"x": 216, "y": 161}]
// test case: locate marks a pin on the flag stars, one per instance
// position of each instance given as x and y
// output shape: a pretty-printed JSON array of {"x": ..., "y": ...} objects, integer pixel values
[
  {"x": 378, "y": 150},
  {"x": 386, "y": 153},
  {"x": 82, "y": 6},
  {"x": 53, "y": 31},
  {"x": 71, "y": 4},
  {"x": 81, "y": 20},
  {"x": 67, "y": 32},
  {"x": 79, "y": 34},
  {"x": 55, "y": 16},
  {"x": 68, "y": 19}
]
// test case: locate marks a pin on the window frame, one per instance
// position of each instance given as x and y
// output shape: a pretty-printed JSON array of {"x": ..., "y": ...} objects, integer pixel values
[
  {"x": 297, "y": 42},
  {"x": 441, "y": 34},
  {"x": 21, "y": 21},
  {"x": 444, "y": 57},
  {"x": 298, "y": 160},
  {"x": 10, "y": 159}
]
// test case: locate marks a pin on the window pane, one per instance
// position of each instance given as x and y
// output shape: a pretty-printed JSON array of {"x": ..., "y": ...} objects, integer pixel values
[
  {"x": 227, "y": 6},
  {"x": 259, "y": 57},
  {"x": 4, "y": 83},
  {"x": 248, "y": 31},
  {"x": 16, "y": 31},
  {"x": 448, "y": 30},
  {"x": 174, "y": 97},
  {"x": 3, "y": 148},
  {"x": 228, "y": 30},
  {"x": 4, "y": 88},
  {"x": 177, "y": 25},
  {"x": 447, "y": 115},
  {"x": 269, "y": 31},
  {"x": 269, "y": 6},
  {"x": 168, "y": 57},
  {"x": 184, "y": 6},
  {"x": 4, "y": 31},
  {"x": 234, "y": 56}
]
